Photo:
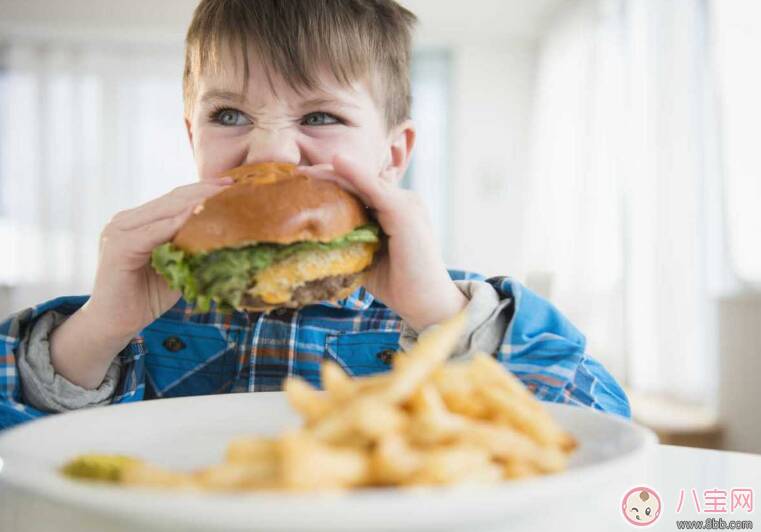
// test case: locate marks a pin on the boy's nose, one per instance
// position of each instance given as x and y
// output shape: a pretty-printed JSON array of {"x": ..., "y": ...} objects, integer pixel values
[{"x": 273, "y": 145}]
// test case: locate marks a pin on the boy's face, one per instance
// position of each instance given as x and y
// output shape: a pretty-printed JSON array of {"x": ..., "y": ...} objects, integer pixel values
[{"x": 228, "y": 129}]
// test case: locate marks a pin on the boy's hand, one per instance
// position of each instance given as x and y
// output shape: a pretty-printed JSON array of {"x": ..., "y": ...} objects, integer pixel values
[
  {"x": 411, "y": 278},
  {"x": 128, "y": 294},
  {"x": 127, "y": 291}
]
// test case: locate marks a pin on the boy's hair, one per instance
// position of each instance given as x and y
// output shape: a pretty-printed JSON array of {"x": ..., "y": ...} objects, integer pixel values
[{"x": 355, "y": 39}]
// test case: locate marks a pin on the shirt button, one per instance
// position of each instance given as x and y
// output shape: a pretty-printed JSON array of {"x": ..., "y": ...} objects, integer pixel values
[
  {"x": 173, "y": 344},
  {"x": 386, "y": 356}
]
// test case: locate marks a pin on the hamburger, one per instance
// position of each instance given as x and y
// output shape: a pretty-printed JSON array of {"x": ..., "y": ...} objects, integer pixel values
[{"x": 274, "y": 238}]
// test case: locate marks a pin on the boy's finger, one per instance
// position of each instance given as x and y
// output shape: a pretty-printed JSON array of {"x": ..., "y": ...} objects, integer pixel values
[
  {"x": 166, "y": 206},
  {"x": 158, "y": 232},
  {"x": 326, "y": 172},
  {"x": 372, "y": 187}
]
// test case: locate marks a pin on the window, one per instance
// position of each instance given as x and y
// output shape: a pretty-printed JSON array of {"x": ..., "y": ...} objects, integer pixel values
[{"x": 86, "y": 130}]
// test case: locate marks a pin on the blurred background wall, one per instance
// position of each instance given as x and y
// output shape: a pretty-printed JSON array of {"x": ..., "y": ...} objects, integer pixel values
[{"x": 601, "y": 151}]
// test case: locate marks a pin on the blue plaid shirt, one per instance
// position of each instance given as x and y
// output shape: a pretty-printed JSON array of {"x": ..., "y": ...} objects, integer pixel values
[{"x": 183, "y": 353}]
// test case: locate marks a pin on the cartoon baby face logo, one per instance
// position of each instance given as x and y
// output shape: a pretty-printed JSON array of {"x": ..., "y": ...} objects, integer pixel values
[{"x": 641, "y": 506}]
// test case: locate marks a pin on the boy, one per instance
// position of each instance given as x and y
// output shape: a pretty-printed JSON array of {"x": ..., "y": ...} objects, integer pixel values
[{"x": 322, "y": 84}]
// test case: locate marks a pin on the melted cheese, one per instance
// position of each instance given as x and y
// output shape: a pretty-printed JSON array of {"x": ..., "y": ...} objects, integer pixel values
[{"x": 275, "y": 284}]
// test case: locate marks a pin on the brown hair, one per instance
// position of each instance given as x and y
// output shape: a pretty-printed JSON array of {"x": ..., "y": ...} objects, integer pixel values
[{"x": 355, "y": 39}]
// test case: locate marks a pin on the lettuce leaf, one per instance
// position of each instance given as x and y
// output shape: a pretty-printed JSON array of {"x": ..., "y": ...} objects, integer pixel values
[{"x": 224, "y": 275}]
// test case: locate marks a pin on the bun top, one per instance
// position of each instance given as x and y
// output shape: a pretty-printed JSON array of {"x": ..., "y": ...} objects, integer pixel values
[{"x": 269, "y": 203}]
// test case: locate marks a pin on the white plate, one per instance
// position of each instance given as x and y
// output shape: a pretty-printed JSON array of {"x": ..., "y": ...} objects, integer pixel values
[{"x": 192, "y": 432}]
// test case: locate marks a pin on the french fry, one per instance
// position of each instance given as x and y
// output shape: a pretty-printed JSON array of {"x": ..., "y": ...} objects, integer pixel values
[
  {"x": 232, "y": 476},
  {"x": 512, "y": 403},
  {"x": 334, "y": 428},
  {"x": 336, "y": 383},
  {"x": 432, "y": 349},
  {"x": 456, "y": 386},
  {"x": 518, "y": 469},
  {"x": 365, "y": 419},
  {"x": 507, "y": 444},
  {"x": 456, "y": 463},
  {"x": 252, "y": 449},
  {"x": 374, "y": 418},
  {"x": 394, "y": 461},
  {"x": 308, "y": 464},
  {"x": 428, "y": 399},
  {"x": 520, "y": 414},
  {"x": 152, "y": 476},
  {"x": 428, "y": 429},
  {"x": 307, "y": 401},
  {"x": 485, "y": 370},
  {"x": 372, "y": 383},
  {"x": 432, "y": 423}
]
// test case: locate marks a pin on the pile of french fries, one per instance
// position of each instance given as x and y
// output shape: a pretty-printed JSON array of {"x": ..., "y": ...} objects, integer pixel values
[{"x": 425, "y": 422}]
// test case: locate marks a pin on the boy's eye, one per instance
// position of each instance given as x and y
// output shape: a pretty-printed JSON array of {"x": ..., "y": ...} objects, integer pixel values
[
  {"x": 229, "y": 117},
  {"x": 320, "y": 119}
]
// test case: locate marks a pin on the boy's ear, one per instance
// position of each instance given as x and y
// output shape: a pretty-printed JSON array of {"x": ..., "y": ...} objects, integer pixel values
[
  {"x": 190, "y": 133},
  {"x": 400, "y": 151}
]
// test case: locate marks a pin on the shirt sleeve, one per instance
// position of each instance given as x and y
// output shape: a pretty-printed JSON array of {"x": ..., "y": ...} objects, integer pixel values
[
  {"x": 548, "y": 354},
  {"x": 29, "y": 388},
  {"x": 485, "y": 325},
  {"x": 47, "y": 390}
]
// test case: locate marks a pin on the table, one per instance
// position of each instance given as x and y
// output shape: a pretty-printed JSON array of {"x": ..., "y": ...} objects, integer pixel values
[{"x": 669, "y": 472}]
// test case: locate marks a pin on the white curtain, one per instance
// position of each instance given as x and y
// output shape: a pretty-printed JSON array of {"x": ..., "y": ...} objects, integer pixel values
[
  {"x": 86, "y": 129},
  {"x": 428, "y": 172},
  {"x": 623, "y": 209},
  {"x": 736, "y": 44}
]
